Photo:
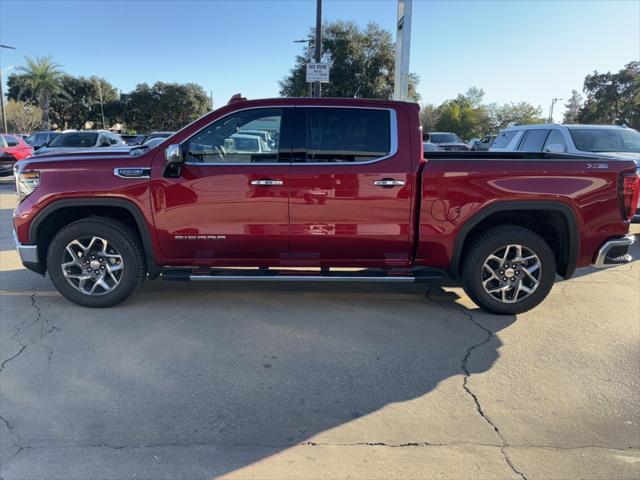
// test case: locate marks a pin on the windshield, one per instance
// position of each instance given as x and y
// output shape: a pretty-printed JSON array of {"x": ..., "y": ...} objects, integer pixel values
[
  {"x": 445, "y": 138},
  {"x": 606, "y": 139},
  {"x": 76, "y": 139}
]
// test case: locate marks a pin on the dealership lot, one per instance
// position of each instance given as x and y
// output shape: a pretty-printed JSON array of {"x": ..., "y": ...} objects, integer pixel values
[{"x": 317, "y": 381}]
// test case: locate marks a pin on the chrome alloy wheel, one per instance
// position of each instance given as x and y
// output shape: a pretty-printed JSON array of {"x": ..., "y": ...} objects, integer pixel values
[
  {"x": 511, "y": 273},
  {"x": 92, "y": 265}
]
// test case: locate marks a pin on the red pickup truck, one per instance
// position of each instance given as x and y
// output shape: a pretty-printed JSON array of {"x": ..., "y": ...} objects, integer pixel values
[{"x": 338, "y": 188}]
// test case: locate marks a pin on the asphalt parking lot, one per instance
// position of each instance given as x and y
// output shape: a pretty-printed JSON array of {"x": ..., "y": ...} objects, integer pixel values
[{"x": 198, "y": 381}]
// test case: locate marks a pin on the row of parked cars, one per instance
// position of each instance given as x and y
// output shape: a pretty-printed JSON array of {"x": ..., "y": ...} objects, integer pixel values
[
  {"x": 14, "y": 147},
  {"x": 601, "y": 141},
  {"x": 595, "y": 140}
]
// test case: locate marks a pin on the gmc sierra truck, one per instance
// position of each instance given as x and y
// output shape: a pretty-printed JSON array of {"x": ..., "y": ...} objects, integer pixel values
[{"x": 342, "y": 191}]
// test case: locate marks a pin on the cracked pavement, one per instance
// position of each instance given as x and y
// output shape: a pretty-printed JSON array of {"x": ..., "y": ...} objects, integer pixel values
[{"x": 195, "y": 381}]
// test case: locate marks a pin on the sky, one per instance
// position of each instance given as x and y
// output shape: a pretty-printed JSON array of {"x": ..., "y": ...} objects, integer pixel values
[{"x": 514, "y": 50}]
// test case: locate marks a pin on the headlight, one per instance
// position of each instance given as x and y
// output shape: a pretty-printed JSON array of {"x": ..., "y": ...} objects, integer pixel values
[{"x": 26, "y": 183}]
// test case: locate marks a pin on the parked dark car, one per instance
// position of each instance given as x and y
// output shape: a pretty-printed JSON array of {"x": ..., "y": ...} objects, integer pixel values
[
  {"x": 133, "y": 140},
  {"x": 153, "y": 135},
  {"x": 6, "y": 164},
  {"x": 447, "y": 141},
  {"x": 39, "y": 139}
]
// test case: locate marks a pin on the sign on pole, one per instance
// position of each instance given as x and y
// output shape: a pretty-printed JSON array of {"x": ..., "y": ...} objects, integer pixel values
[{"x": 317, "y": 72}]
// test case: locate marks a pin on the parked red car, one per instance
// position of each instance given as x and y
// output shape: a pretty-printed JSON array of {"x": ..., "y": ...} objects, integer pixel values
[
  {"x": 12, "y": 148},
  {"x": 341, "y": 183}
]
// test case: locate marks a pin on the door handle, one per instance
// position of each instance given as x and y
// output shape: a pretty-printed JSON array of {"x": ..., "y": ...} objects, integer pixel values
[
  {"x": 389, "y": 182},
  {"x": 266, "y": 182}
]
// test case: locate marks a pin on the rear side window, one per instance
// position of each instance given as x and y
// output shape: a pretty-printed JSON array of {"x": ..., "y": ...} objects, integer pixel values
[
  {"x": 534, "y": 140},
  {"x": 503, "y": 139},
  {"x": 347, "y": 135}
]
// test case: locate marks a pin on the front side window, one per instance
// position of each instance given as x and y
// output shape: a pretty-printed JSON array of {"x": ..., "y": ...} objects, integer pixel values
[
  {"x": 347, "y": 135},
  {"x": 238, "y": 138},
  {"x": 534, "y": 140}
]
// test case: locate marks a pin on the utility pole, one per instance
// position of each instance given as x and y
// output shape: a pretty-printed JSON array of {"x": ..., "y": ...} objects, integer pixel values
[
  {"x": 553, "y": 102},
  {"x": 316, "y": 86},
  {"x": 403, "y": 45},
  {"x": 4, "y": 114}
]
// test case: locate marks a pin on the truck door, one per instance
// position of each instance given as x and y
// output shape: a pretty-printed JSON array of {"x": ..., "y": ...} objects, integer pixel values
[
  {"x": 352, "y": 187},
  {"x": 230, "y": 201}
]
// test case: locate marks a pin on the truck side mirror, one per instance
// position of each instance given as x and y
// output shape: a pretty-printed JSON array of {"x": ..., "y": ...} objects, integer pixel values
[
  {"x": 555, "y": 148},
  {"x": 173, "y": 157}
]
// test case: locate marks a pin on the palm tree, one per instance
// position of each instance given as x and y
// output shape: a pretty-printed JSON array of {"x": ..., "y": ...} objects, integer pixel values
[{"x": 44, "y": 78}]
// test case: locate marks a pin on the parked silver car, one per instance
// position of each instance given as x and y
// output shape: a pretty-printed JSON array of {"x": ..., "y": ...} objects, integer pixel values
[{"x": 81, "y": 139}]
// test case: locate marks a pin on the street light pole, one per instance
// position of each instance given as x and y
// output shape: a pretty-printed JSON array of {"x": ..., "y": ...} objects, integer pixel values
[
  {"x": 101, "y": 103},
  {"x": 317, "y": 90},
  {"x": 553, "y": 102},
  {"x": 4, "y": 115}
]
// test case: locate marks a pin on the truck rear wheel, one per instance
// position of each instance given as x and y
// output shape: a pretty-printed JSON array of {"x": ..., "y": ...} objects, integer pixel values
[
  {"x": 509, "y": 270},
  {"x": 96, "y": 262}
]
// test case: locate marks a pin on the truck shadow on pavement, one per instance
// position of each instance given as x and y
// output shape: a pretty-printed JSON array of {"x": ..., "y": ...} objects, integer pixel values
[{"x": 214, "y": 378}]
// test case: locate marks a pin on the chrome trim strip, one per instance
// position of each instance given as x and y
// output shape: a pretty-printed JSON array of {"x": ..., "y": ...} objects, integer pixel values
[
  {"x": 295, "y": 278},
  {"x": 601, "y": 257},
  {"x": 28, "y": 253}
]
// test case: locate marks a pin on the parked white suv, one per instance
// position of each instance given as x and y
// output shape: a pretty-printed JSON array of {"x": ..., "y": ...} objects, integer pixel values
[
  {"x": 591, "y": 140},
  {"x": 596, "y": 140}
]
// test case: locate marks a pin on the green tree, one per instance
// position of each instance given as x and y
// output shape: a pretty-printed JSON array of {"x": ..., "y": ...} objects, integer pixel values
[
  {"x": 22, "y": 117},
  {"x": 77, "y": 102},
  {"x": 163, "y": 106},
  {"x": 362, "y": 64},
  {"x": 43, "y": 78},
  {"x": 465, "y": 115},
  {"x": 572, "y": 108},
  {"x": 509, "y": 114},
  {"x": 428, "y": 117},
  {"x": 613, "y": 98}
]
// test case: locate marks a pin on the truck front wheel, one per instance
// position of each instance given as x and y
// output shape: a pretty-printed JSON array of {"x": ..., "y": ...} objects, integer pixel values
[
  {"x": 96, "y": 261},
  {"x": 508, "y": 270}
]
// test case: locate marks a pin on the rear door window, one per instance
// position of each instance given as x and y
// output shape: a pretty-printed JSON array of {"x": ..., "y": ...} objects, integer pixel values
[
  {"x": 555, "y": 138},
  {"x": 533, "y": 140},
  {"x": 346, "y": 135}
]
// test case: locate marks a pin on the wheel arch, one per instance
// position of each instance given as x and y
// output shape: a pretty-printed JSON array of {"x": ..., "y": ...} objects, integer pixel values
[
  {"x": 536, "y": 215},
  {"x": 43, "y": 227}
]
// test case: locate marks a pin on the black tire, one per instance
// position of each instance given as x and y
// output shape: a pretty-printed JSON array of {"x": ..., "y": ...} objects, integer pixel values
[
  {"x": 123, "y": 239},
  {"x": 489, "y": 242}
]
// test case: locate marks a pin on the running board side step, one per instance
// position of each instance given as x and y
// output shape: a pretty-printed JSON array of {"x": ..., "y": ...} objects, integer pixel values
[{"x": 284, "y": 275}]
